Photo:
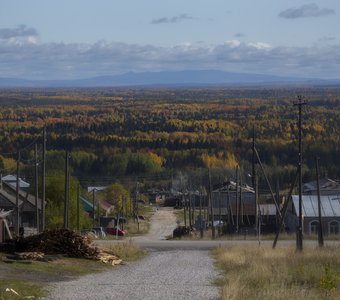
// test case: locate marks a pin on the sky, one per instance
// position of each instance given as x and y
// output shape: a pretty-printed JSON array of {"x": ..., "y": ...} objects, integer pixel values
[{"x": 73, "y": 39}]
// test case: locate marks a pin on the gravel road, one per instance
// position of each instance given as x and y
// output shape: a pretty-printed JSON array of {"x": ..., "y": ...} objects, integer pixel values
[
  {"x": 161, "y": 275},
  {"x": 167, "y": 274}
]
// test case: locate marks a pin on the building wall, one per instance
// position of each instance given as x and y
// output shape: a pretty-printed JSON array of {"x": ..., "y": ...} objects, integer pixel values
[{"x": 330, "y": 225}]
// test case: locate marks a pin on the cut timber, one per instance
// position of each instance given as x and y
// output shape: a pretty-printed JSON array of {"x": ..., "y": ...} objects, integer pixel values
[
  {"x": 65, "y": 242},
  {"x": 29, "y": 255}
]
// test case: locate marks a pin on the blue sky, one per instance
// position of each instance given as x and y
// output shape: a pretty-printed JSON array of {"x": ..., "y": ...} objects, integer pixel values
[{"x": 45, "y": 39}]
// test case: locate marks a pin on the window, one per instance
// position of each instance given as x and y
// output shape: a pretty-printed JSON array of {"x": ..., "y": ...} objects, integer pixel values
[
  {"x": 333, "y": 227},
  {"x": 313, "y": 227}
]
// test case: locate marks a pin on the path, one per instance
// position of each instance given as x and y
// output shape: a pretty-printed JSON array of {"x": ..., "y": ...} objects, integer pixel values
[{"x": 163, "y": 222}]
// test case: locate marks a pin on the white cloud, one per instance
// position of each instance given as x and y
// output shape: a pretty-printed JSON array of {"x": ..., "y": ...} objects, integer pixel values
[
  {"x": 306, "y": 11},
  {"x": 260, "y": 45},
  {"x": 68, "y": 61},
  {"x": 233, "y": 43}
]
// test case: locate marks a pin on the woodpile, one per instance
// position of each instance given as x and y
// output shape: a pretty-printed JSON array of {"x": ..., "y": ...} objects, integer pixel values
[
  {"x": 29, "y": 255},
  {"x": 65, "y": 242},
  {"x": 107, "y": 257}
]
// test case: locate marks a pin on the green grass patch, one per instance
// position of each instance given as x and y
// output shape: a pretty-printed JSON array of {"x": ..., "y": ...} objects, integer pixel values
[
  {"x": 63, "y": 267},
  {"x": 21, "y": 274},
  {"x": 18, "y": 289}
]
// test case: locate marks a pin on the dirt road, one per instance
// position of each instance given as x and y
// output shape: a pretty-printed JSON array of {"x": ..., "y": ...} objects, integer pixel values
[
  {"x": 163, "y": 222},
  {"x": 167, "y": 274}
]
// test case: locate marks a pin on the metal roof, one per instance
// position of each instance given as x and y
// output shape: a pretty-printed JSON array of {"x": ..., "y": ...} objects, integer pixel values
[
  {"x": 96, "y": 188},
  {"x": 12, "y": 180},
  {"x": 267, "y": 209},
  {"x": 325, "y": 184},
  {"x": 330, "y": 205}
]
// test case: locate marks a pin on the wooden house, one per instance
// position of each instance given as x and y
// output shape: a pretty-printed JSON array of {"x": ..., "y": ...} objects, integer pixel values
[{"x": 27, "y": 204}]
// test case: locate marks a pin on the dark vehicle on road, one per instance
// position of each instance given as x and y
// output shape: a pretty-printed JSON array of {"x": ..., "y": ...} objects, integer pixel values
[{"x": 115, "y": 231}]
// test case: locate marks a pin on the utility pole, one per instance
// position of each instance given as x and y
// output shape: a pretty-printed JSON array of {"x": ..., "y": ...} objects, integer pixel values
[
  {"x": 219, "y": 213},
  {"x": 253, "y": 177},
  {"x": 299, "y": 236},
  {"x": 98, "y": 212},
  {"x": 17, "y": 213},
  {"x": 190, "y": 216},
  {"x": 320, "y": 231},
  {"x": 213, "y": 235},
  {"x": 284, "y": 209},
  {"x": 43, "y": 200},
  {"x": 200, "y": 212},
  {"x": 78, "y": 207},
  {"x": 257, "y": 210},
  {"x": 136, "y": 205},
  {"x": 237, "y": 204},
  {"x": 37, "y": 221},
  {"x": 231, "y": 214},
  {"x": 67, "y": 191},
  {"x": 184, "y": 201},
  {"x": 241, "y": 203},
  {"x": 93, "y": 206}
]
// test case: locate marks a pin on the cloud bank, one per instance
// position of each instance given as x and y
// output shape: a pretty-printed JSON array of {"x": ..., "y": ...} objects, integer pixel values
[
  {"x": 33, "y": 60},
  {"x": 306, "y": 11}
]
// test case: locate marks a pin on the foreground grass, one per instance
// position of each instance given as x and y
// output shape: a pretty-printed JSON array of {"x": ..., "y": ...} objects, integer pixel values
[
  {"x": 252, "y": 272},
  {"x": 33, "y": 285},
  {"x": 17, "y": 289}
]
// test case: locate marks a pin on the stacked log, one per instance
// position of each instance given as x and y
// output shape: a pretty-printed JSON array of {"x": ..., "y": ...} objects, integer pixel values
[{"x": 65, "y": 242}]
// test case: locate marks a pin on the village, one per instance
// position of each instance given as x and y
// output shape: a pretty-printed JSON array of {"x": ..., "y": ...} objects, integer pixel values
[{"x": 233, "y": 209}]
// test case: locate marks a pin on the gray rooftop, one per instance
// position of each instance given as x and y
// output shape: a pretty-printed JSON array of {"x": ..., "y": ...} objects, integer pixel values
[{"x": 330, "y": 205}]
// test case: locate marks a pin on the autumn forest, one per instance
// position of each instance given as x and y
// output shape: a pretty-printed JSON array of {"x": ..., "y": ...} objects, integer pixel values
[{"x": 116, "y": 133}]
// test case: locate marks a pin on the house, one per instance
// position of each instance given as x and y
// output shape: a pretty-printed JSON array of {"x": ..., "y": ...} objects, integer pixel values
[
  {"x": 330, "y": 214},
  {"x": 88, "y": 206},
  {"x": 27, "y": 202},
  {"x": 327, "y": 187},
  {"x": 235, "y": 208}
]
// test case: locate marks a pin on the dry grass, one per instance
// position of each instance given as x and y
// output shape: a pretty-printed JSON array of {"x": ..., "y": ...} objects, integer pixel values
[
  {"x": 253, "y": 272},
  {"x": 132, "y": 227},
  {"x": 128, "y": 251},
  {"x": 144, "y": 225}
]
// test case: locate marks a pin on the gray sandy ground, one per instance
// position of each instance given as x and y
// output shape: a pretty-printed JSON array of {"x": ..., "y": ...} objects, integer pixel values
[{"x": 162, "y": 275}]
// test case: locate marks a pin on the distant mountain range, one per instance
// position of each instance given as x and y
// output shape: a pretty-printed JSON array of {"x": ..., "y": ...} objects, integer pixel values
[{"x": 179, "y": 78}]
